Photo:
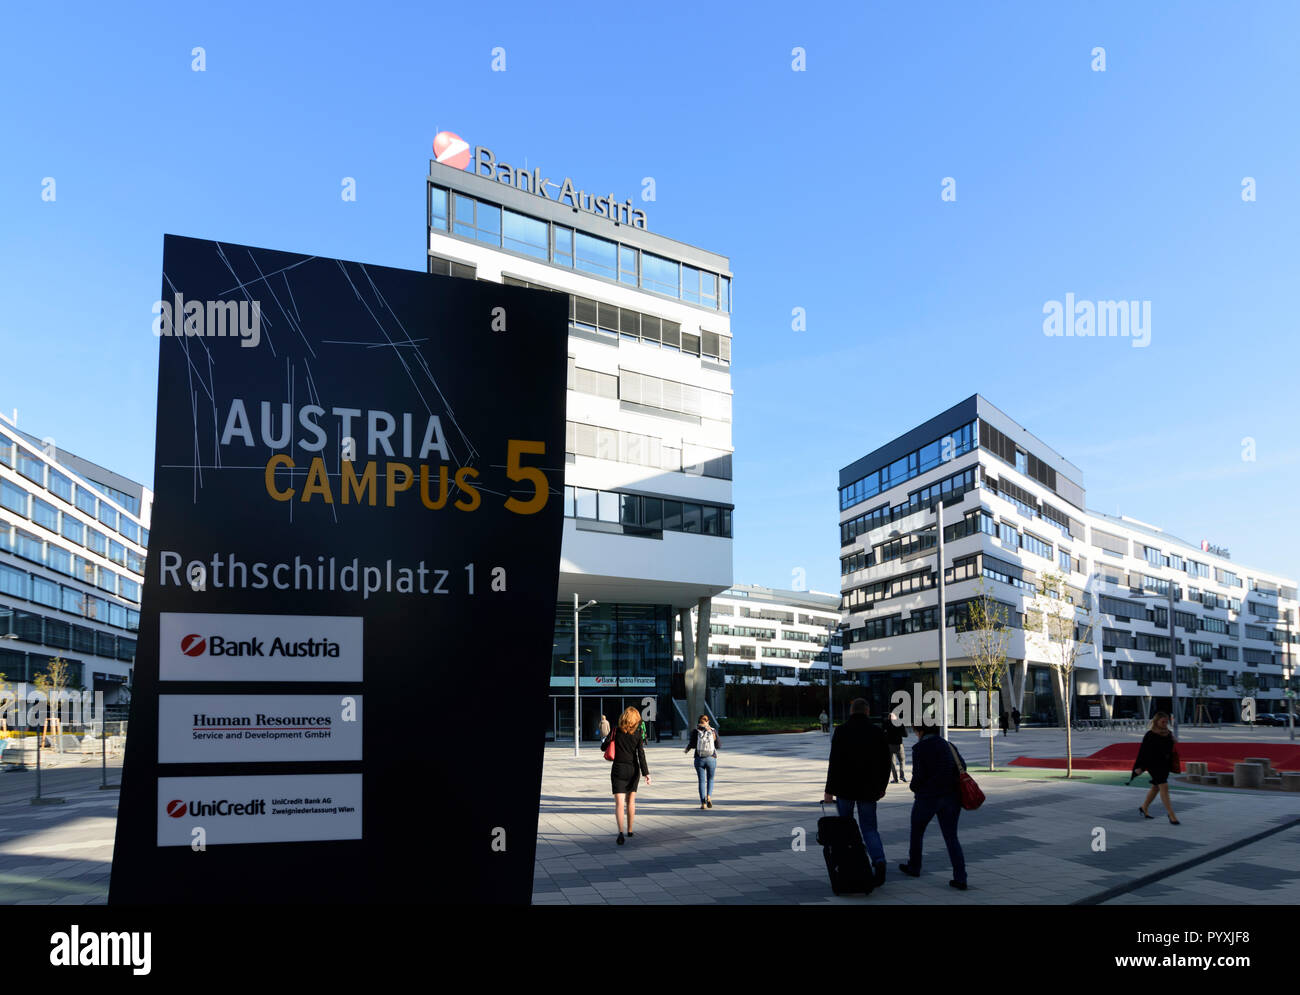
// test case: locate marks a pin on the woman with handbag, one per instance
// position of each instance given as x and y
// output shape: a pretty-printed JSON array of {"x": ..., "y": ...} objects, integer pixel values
[
  {"x": 625, "y": 748},
  {"x": 1158, "y": 757},
  {"x": 937, "y": 768}
]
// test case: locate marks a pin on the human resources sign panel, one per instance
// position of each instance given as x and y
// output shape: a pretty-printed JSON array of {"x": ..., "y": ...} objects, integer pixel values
[{"x": 357, "y": 494}]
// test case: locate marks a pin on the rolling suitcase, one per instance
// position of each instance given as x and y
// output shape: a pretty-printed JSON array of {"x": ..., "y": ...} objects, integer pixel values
[{"x": 846, "y": 857}]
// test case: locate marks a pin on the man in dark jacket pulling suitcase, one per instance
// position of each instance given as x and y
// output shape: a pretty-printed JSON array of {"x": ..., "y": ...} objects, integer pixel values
[{"x": 858, "y": 775}]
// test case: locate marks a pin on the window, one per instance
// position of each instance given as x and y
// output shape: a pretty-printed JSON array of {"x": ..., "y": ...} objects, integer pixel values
[
  {"x": 85, "y": 500},
  {"x": 662, "y": 276},
  {"x": 438, "y": 208},
  {"x": 96, "y": 542},
  {"x": 584, "y": 499},
  {"x": 59, "y": 559},
  {"x": 45, "y": 592},
  {"x": 108, "y": 514},
  {"x": 524, "y": 234},
  {"x": 1037, "y": 546},
  {"x": 690, "y": 284},
  {"x": 709, "y": 289},
  {"x": 15, "y": 583},
  {"x": 724, "y": 296},
  {"x": 129, "y": 589},
  {"x": 60, "y": 485},
  {"x": 129, "y": 529},
  {"x": 73, "y": 529},
  {"x": 13, "y": 497},
  {"x": 107, "y": 581},
  {"x": 627, "y": 265},
  {"x": 44, "y": 513},
  {"x": 596, "y": 255},
  {"x": 1064, "y": 560},
  {"x": 117, "y": 552},
  {"x": 30, "y": 467},
  {"x": 29, "y": 546},
  {"x": 562, "y": 242}
]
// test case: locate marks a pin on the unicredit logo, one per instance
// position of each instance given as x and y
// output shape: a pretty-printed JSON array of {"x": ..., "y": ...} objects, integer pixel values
[
  {"x": 223, "y": 806},
  {"x": 193, "y": 645},
  {"x": 450, "y": 149},
  {"x": 176, "y": 808}
]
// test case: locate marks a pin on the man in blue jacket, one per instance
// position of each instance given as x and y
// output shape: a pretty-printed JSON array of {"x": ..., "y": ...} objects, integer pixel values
[
  {"x": 936, "y": 768},
  {"x": 857, "y": 775}
]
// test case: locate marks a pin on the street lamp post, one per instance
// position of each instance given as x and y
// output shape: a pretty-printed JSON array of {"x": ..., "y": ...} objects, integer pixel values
[{"x": 577, "y": 702}]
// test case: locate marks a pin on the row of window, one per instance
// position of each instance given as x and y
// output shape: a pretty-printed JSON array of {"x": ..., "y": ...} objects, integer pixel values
[
  {"x": 903, "y": 469},
  {"x": 19, "y": 667},
  {"x": 31, "y": 547},
  {"x": 925, "y": 619},
  {"x": 654, "y": 392},
  {"x": 46, "y": 477},
  {"x": 32, "y": 627},
  {"x": 950, "y": 490},
  {"x": 30, "y": 587},
  {"x": 582, "y": 439},
  {"x": 46, "y": 515},
  {"x": 560, "y": 245},
  {"x": 624, "y": 324},
  {"x": 651, "y": 513}
]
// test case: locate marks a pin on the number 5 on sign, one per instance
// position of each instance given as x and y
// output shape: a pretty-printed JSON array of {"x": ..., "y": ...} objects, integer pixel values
[{"x": 541, "y": 491}]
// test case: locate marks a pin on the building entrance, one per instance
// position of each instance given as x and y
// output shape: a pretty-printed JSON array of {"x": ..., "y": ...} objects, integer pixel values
[{"x": 592, "y": 707}]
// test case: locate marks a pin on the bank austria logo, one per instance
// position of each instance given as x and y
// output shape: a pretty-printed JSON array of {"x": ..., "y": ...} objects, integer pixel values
[
  {"x": 450, "y": 149},
  {"x": 177, "y": 808},
  {"x": 196, "y": 645}
]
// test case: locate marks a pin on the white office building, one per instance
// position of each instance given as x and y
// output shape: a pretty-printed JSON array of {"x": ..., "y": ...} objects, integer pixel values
[
  {"x": 647, "y": 496},
  {"x": 73, "y": 537},
  {"x": 769, "y": 634},
  {"x": 1014, "y": 510}
]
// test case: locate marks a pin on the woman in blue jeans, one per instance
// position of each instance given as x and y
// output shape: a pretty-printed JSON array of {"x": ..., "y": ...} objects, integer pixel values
[
  {"x": 704, "y": 741},
  {"x": 936, "y": 782}
]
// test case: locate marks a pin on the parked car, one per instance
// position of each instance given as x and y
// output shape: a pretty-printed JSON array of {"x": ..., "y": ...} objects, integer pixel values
[{"x": 1268, "y": 719}]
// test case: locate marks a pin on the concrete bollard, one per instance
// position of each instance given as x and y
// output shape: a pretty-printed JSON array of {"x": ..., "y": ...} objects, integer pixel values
[
  {"x": 1247, "y": 775},
  {"x": 1264, "y": 762},
  {"x": 1225, "y": 779},
  {"x": 1290, "y": 780}
]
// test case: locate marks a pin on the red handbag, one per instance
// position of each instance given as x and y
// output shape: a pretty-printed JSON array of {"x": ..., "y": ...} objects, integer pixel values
[
  {"x": 1175, "y": 762},
  {"x": 609, "y": 750},
  {"x": 971, "y": 795}
]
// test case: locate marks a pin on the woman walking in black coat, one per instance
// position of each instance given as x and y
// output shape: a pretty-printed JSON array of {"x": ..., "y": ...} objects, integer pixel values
[
  {"x": 1156, "y": 757},
  {"x": 629, "y": 764}
]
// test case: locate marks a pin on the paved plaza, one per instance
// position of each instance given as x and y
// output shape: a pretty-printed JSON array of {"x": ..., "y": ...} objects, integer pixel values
[{"x": 1031, "y": 843}]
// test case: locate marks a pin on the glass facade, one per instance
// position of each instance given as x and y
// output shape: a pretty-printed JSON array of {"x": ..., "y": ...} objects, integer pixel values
[
  {"x": 626, "y": 653},
  {"x": 482, "y": 221}
]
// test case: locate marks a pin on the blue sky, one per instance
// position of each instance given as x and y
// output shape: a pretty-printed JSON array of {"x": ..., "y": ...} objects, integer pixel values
[{"x": 823, "y": 187}]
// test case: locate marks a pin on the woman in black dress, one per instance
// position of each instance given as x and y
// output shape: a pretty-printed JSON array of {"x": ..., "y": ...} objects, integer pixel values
[
  {"x": 629, "y": 764},
  {"x": 1156, "y": 757}
]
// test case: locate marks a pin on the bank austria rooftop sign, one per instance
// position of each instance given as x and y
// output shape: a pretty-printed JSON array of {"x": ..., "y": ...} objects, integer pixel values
[{"x": 452, "y": 150}]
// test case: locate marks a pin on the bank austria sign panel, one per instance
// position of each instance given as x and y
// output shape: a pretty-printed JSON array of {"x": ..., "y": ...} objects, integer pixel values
[{"x": 357, "y": 477}]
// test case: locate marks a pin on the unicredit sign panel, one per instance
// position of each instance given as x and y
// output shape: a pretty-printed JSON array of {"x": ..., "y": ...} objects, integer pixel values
[{"x": 221, "y": 647}]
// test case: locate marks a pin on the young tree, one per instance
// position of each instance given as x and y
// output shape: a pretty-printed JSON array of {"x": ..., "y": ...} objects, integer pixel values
[
  {"x": 1060, "y": 630},
  {"x": 984, "y": 635},
  {"x": 53, "y": 683}
]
